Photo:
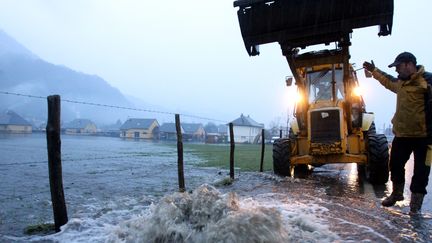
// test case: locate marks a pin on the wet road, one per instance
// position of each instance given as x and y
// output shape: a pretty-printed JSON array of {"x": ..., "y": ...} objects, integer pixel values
[{"x": 354, "y": 206}]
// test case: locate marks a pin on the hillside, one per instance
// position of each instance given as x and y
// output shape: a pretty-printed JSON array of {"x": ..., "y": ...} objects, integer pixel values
[{"x": 21, "y": 71}]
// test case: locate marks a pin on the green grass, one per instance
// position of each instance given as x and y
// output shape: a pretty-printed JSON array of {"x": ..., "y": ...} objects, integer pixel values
[
  {"x": 42, "y": 228},
  {"x": 247, "y": 157}
]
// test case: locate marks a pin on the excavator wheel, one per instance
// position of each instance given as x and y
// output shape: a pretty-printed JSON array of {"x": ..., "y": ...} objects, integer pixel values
[
  {"x": 282, "y": 156},
  {"x": 376, "y": 170}
]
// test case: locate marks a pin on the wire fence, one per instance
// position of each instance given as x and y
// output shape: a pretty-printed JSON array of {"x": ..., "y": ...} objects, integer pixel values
[
  {"x": 103, "y": 168},
  {"x": 115, "y": 106}
]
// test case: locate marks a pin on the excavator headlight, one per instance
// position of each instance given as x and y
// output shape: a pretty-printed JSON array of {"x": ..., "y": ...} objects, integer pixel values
[
  {"x": 357, "y": 91},
  {"x": 299, "y": 97}
]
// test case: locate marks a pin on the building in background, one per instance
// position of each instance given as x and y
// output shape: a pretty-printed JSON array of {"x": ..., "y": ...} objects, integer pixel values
[
  {"x": 193, "y": 132},
  {"x": 246, "y": 130},
  {"x": 168, "y": 131},
  {"x": 140, "y": 128},
  {"x": 11, "y": 122},
  {"x": 110, "y": 130},
  {"x": 80, "y": 127}
]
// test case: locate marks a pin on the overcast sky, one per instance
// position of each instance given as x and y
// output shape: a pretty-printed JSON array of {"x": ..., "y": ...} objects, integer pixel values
[{"x": 189, "y": 55}]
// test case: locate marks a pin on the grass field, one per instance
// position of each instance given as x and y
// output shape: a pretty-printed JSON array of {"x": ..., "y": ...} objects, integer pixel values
[{"x": 246, "y": 156}]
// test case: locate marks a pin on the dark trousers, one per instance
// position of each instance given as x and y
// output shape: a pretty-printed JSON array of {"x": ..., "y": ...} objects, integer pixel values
[{"x": 400, "y": 154}]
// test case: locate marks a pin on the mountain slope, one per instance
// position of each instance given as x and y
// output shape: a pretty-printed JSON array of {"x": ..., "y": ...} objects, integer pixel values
[
  {"x": 9, "y": 46},
  {"x": 23, "y": 72}
]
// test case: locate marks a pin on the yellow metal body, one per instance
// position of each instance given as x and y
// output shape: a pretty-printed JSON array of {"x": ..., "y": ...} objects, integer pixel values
[
  {"x": 350, "y": 148},
  {"x": 328, "y": 148},
  {"x": 303, "y": 153}
]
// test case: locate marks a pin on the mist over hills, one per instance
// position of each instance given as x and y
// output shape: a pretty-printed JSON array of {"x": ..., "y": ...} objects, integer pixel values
[{"x": 23, "y": 72}]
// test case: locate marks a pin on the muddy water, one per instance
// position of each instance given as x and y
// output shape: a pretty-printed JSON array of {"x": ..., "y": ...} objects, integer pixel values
[{"x": 125, "y": 191}]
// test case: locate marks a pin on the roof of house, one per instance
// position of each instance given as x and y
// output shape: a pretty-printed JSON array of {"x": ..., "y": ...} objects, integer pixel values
[
  {"x": 191, "y": 127},
  {"x": 78, "y": 123},
  {"x": 246, "y": 121},
  {"x": 9, "y": 117},
  {"x": 138, "y": 123},
  {"x": 170, "y": 128}
]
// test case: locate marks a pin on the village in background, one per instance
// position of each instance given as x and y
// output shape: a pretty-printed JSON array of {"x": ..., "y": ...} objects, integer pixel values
[
  {"x": 245, "y": 129},
  {"x": 24, "y": 76}
]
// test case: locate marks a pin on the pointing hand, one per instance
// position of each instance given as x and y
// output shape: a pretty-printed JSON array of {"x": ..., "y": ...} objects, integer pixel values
[{"x": 370, "y": 66}]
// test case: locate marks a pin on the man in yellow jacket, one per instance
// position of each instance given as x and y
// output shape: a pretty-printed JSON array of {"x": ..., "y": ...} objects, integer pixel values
[{"x": 412, "y": 134}]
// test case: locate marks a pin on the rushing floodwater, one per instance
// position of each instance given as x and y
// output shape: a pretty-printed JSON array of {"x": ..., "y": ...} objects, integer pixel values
[{"x": 125, "y": 191}]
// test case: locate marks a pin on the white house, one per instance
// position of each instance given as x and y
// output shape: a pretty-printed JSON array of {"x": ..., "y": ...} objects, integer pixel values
[{"x": 245, "y": 129}]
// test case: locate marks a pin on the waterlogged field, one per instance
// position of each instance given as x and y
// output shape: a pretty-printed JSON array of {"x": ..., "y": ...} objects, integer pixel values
[
  {"x": 97, "y": 172},
  {"x": 126, "y": 191}
]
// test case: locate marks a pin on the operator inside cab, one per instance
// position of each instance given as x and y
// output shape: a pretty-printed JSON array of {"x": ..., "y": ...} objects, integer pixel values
[{"x": 320, "y": 85}]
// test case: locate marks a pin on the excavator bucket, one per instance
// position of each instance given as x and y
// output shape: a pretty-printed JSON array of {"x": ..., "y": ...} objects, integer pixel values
[{"x": 301, "y": 23}]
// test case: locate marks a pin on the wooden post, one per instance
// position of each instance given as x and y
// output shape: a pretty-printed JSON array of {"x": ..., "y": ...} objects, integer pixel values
[
  {"x": 54, "y": 162},
  {"x": 182, "y": 187},
  {"x": 231, "y": 130},
  {"x": 280, "y": 133},
  {"x": 262, "y": 150}
]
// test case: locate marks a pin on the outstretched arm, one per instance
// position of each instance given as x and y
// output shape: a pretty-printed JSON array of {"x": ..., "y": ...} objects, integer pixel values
[{"x": 388, "y": 81}]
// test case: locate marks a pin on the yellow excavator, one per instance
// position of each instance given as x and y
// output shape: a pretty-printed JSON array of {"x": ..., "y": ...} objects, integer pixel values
[{"x": 331, "y": 123}]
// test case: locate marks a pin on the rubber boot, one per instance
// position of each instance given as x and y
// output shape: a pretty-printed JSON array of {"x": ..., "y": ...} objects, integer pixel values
[
  {"x": 396, "y": 195},
  {"x": 416, "y": 203}
]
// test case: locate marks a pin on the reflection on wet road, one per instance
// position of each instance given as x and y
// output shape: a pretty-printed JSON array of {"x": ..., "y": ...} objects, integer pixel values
[{"x": 354, "y": 206}]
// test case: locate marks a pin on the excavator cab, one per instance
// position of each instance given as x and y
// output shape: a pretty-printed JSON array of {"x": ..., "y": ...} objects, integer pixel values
[{"x": 331, "y": 123}]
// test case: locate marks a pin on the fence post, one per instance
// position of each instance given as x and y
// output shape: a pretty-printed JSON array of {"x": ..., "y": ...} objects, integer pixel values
[
  {"x": 54, "y": 162},
  {"x": 280, "y": 133},
  {"x": 231, "y": 130},
  {"x": 262, "y": 151},
  {"x": 182, "y": 187}
]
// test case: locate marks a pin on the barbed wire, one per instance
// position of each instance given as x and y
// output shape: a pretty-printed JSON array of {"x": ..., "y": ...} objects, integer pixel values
[
  {"x": 134, "y": 177},
  {"x": 24, "y": 95},
  {"x": 114, "y": 106}
]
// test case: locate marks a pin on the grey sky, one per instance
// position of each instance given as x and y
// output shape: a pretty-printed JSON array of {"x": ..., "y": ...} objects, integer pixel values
[{"x": 189, "y": 55}]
